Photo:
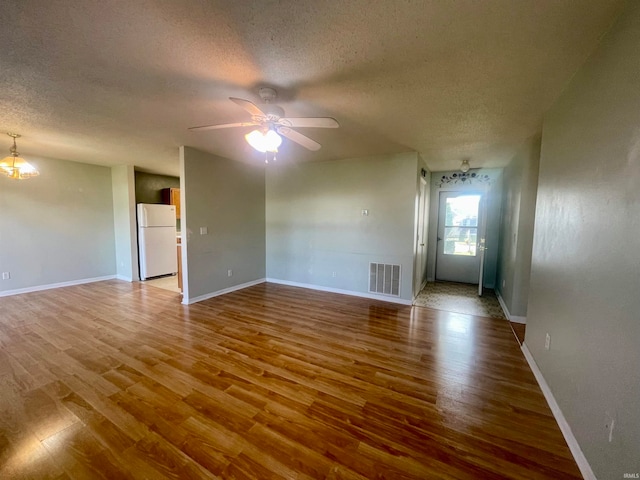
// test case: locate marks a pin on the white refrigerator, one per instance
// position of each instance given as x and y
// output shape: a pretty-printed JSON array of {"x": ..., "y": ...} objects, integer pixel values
[{"x": 157, "y": 240}]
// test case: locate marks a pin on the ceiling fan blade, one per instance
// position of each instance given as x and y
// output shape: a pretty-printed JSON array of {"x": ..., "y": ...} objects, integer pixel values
[
  {"x": 303, "y": 140},
  {"x": 250, "y": 107},
  {"x": 224, "y": 125},
  {"x": 310, "y": 122}
]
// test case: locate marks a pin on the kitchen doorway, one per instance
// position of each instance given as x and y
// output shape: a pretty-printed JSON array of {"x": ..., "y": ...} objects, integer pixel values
[{"x": 168, "y": 282}]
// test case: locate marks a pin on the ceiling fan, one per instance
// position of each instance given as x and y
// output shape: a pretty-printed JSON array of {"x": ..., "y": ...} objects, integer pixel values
[{"x": 271, "y": 123}]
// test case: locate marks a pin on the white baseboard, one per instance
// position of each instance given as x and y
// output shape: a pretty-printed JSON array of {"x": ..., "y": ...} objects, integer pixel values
[
  {"x": 189, "y": 301},
  {"x": 503, "y": 306},
  {"x": 372, "y": 296},
  {"x": 511, "y": 318},
  {"x": 126, "y": 279},
  {"x": 49, "y": 286},
  {"x": 576, "y": 451}
]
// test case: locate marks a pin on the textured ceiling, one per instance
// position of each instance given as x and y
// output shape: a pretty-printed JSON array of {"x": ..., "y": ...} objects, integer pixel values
[{"x": 113, "y": 82}]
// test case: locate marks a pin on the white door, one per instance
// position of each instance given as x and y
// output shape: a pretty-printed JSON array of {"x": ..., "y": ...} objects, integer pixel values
[
  {"x": 458, "y": 252},
  {"x": 421, "y": 252}
]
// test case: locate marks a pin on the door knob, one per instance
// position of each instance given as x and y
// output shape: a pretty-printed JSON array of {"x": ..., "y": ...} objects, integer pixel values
[
  {"x": 422, "y": 244},
  {"x": 439, "y": 239}
]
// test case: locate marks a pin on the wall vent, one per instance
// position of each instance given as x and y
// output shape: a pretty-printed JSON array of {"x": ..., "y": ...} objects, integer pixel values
[{"x": 384, "y": 278}]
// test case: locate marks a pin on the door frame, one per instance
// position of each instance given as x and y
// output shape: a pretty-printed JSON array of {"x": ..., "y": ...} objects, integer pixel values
[
  {"x": 482, "y": 241},
  {"x": 488, "y": 180}
]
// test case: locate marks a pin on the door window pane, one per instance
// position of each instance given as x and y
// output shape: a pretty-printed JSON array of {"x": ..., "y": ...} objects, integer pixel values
[
  {"x": 461, "y": 225},
  {"x": 460, "y": 241}
]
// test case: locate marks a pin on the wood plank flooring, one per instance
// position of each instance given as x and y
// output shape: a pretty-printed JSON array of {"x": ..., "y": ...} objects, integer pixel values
[
  {"x": 116, "y": 380},
  {"x": 519, "y": 330}
]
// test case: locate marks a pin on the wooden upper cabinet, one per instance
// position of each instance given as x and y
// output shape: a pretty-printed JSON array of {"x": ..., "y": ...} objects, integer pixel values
[{"x": 171, "y": 196}]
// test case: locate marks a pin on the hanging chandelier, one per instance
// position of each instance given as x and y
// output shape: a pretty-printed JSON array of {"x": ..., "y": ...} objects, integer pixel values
[{"x": 14, "y": 166}]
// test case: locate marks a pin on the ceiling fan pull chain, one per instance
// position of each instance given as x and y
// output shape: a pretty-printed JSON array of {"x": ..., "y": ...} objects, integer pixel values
[{"x": 266, "y": 157}]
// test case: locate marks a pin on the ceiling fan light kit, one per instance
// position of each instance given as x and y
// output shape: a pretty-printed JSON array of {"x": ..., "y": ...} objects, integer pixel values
[
  {"x": 264, "y": 142},
  {"x": 272, "y": 125}
]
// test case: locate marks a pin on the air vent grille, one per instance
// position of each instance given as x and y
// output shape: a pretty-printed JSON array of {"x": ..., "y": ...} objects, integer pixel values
[{"x": 384, "y": 278}]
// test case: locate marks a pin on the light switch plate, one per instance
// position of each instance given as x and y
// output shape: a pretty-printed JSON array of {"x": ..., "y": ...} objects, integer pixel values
[{"x": 204, "y": 230}]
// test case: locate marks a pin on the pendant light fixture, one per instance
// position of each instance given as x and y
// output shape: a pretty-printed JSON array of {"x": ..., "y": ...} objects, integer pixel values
[{"x": 15, "y": 167}]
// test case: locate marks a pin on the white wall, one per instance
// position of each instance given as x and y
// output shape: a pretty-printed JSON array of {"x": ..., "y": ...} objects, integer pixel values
[
  {"x": 315, "y": 224},
  {"x": 516, "y": 228},
  {"x": 57, "y": 227},
  {"x": 494, "y": 198},
  {"x": 124, "y": 222},
  {"x": 585, "y": 278},
  {"x": 227, "y": 198}
]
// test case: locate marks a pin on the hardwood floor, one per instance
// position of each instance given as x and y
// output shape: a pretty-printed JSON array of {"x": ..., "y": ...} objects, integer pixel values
[
  {"x": 518, "y": 330},
  {"x": 117, "y": 380}
]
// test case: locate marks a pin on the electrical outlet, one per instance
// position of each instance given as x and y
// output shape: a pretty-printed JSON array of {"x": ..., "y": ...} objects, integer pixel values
[
  {"x": 229, "y": 273},
  {"x": 365, "y": 212},
  {"x": 547, "y": 342},
  {"x": 204, "y": 230},
  {"x": 333, "y": 274},
  {"x": 7, "y": 275},
  {"x": 609, "y": 423}
]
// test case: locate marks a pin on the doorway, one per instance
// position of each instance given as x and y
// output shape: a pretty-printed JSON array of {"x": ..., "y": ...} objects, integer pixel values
[
  {"x": 464, "y": 219},
  {"x": 421, "y": 251},
  {"x": 459, "y": 248}
]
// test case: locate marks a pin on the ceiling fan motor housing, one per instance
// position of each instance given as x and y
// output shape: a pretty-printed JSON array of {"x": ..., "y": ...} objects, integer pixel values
[
  {"x": 272, "y": 112},
  {"x": 267, "y": 94}
]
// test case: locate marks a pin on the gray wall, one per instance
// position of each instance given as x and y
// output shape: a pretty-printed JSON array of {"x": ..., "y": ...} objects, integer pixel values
[
  {"x": 520, "y": 184},
  {"x": 149, "y": 186},
  {"x": 228, "y": 198},
  {"x": 585, "y": 278},
  {"x": 494, "y": 201},
  {"x": 124, "y": 222},
  {"x": 57, "y": 227},
  {"x": 315, "y": 224}
]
